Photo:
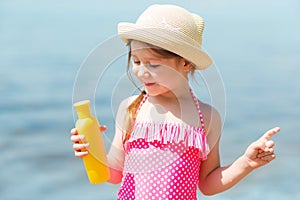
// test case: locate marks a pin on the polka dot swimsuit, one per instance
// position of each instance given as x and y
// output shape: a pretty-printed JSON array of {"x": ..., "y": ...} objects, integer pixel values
[{"x": 164, "y": 166}]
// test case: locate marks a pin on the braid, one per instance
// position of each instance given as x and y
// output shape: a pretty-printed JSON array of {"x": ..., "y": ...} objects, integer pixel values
[{"x": 131, "y": 115}]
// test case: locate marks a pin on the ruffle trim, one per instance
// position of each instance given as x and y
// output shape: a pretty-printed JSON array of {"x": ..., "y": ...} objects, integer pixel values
[{"x": 171, "y": 132}]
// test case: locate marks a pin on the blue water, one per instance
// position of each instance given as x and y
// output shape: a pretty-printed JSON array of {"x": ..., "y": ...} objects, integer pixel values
[{"x": 255, "y": 46}]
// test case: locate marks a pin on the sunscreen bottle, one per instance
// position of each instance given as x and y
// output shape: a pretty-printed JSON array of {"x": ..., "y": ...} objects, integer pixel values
[{"x": 96, "y": 161}]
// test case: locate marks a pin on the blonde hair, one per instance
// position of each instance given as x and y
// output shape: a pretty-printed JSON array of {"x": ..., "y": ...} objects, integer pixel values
[{"x": 132, "y": 108}]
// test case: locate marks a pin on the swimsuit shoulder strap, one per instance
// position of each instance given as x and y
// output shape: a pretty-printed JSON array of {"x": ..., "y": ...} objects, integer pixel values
[
  {"x": 198, "y": 108},
  {"x": 142, "y": 103}
]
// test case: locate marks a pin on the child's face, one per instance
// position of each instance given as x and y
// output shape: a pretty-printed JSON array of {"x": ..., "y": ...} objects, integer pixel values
[{"x": 157, "y": 73}]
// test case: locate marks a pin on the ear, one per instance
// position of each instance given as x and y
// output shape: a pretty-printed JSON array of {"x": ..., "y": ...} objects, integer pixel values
[{"x": 187, "y": 65}]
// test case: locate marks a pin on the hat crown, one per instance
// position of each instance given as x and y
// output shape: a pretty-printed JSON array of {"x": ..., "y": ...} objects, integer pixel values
[
  {"x": 173, "y": 19},
  {"x": 172, "y": 28}
]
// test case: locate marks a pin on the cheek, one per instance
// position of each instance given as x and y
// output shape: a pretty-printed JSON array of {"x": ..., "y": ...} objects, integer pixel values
[
  {"x": 166, "y": 74},
  {"x": 135, "y": 70}
]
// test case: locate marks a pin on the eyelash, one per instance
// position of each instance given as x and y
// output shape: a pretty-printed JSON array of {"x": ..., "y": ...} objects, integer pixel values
[
  {"x": 149, "y": 64},
  {"x": 136, "y": 62},
  {"x": 154, "y": 66}
]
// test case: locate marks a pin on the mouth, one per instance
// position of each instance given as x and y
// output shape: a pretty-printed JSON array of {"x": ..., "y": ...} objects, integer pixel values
[{"x": 149, "y": 84}]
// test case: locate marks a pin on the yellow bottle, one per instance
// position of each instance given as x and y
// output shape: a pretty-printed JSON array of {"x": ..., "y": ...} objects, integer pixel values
[{"x": 96, "y": 161}]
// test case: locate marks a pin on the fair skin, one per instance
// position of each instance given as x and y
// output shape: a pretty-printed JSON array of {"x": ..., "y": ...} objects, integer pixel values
[{"x": 172, "y": 98}]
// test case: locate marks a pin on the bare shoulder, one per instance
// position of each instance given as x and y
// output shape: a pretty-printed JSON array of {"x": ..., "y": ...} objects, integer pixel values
[
  {"x": 212, "y": 119},
  {"x": 117, "y": 142},
  {"x": 126, "y": 102},
  {"x": 123, "y": 110}
]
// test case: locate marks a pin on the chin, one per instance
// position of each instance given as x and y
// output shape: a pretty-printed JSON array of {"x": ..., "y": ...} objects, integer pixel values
[
  {"x": 152, "y": 93},
  {"x": 156, "y": 91}
]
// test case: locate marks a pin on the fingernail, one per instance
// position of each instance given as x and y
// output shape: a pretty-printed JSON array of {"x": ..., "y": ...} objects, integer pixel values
[{"x": 81, "y": 137}]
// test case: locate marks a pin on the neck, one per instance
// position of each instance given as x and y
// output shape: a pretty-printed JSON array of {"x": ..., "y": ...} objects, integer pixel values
[
  {"x": 173, "y": 96},
  {"x": 181, "y": 105}
]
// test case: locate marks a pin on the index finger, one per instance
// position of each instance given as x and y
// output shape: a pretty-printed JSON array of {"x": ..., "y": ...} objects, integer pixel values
[
  {"x": 74, "y": 131},
  {"x": 270, "y": 133}
]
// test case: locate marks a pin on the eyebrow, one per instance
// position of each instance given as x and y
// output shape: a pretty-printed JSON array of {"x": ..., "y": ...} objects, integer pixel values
[{"x": 147, "y": 58}]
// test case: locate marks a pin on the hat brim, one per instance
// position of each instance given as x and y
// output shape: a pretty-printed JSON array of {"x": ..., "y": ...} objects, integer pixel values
[{"x": 166, "y": 39}]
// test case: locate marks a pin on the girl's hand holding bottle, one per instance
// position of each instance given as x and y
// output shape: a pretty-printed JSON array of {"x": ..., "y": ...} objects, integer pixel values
[{"x": 80, "y": 145}]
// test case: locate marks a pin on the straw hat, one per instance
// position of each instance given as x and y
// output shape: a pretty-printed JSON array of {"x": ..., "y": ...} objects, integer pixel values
[{"x": 172, "y": 28}]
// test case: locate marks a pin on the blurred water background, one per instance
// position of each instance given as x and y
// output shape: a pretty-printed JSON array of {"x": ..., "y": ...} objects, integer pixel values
[{"x": 255, "y": 45}]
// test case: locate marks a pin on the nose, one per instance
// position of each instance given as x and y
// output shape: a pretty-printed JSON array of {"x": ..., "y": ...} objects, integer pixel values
[{"x": 141, "y": 72}]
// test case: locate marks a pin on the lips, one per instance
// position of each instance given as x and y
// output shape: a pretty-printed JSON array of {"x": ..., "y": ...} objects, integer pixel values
[{"x": 149, "y": 84}]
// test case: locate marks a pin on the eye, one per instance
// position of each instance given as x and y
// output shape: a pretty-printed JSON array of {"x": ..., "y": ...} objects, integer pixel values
[
  {"x": 136, "y": 62},
  {"x": 153, "y": 65}
]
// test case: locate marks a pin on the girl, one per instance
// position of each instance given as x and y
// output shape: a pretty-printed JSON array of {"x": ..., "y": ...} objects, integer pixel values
[{"x": 167, "y": 142}]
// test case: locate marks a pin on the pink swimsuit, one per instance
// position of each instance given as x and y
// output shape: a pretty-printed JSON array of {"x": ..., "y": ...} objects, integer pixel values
[{"x": 163, "y": 160}]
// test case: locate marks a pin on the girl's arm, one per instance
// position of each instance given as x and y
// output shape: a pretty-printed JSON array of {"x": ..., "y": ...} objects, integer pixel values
[
  {"x": 116, "y": 154},
  {"x": 215, "y": 179}
]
